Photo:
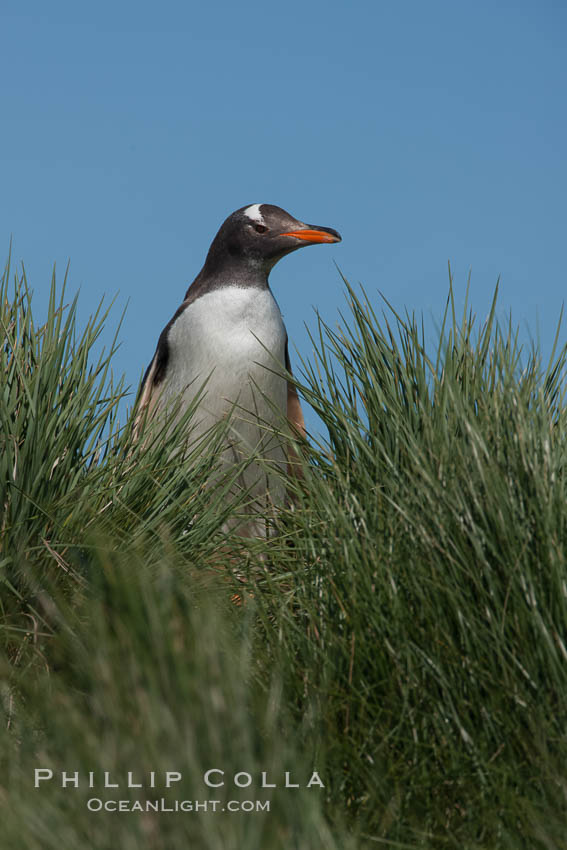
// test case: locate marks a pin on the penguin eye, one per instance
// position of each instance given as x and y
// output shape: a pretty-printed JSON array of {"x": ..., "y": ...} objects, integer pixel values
[{"x": 260, "y": 228}]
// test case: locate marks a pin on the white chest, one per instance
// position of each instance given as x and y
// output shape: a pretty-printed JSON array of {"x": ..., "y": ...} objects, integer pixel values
[
  {"x": 235, "y": 339},
  {"x": 230, "y": 336}
]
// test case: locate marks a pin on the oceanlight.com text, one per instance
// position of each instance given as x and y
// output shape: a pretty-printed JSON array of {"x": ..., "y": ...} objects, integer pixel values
[{"x": 95, "y": 804}]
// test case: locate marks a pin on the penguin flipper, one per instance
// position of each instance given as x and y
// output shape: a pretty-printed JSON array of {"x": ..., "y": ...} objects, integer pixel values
[
  {"x": 147, "y": 399},
  {"x": 296, "y": 420}
]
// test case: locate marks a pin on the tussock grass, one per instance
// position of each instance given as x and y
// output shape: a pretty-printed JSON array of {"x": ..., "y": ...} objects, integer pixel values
[{"x": 404, "y": 633}]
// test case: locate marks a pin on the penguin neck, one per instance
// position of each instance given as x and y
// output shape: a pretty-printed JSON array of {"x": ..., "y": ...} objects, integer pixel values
[{"x": 215, "y": 275}]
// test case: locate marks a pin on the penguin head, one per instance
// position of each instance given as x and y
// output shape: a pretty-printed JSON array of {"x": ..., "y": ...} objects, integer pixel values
[{"x": 258, "y": 235}]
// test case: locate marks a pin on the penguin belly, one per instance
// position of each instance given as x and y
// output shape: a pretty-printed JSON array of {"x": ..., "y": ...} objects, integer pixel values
[{"x": 235, "y": 339}]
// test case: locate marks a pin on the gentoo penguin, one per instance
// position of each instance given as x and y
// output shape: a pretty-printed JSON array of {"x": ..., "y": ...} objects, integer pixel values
[{"x": 230, "y": 333}]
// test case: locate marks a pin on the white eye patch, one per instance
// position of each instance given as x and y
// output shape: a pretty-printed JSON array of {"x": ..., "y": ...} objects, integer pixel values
[{"x": 253, "y": 212}]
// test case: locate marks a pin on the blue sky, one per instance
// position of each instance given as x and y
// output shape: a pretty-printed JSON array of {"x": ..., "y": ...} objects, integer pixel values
[{"x": 423, "y": 132}]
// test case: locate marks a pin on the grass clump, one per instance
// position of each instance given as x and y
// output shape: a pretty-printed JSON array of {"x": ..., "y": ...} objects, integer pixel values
[
  {"x": 433, "y": 528},
  {"x": 145, "y": 678},
  {"x": 404, "y": 633}
]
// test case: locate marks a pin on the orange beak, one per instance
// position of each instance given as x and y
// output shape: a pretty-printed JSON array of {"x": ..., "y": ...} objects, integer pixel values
[{"x": 313, "y": 235}]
